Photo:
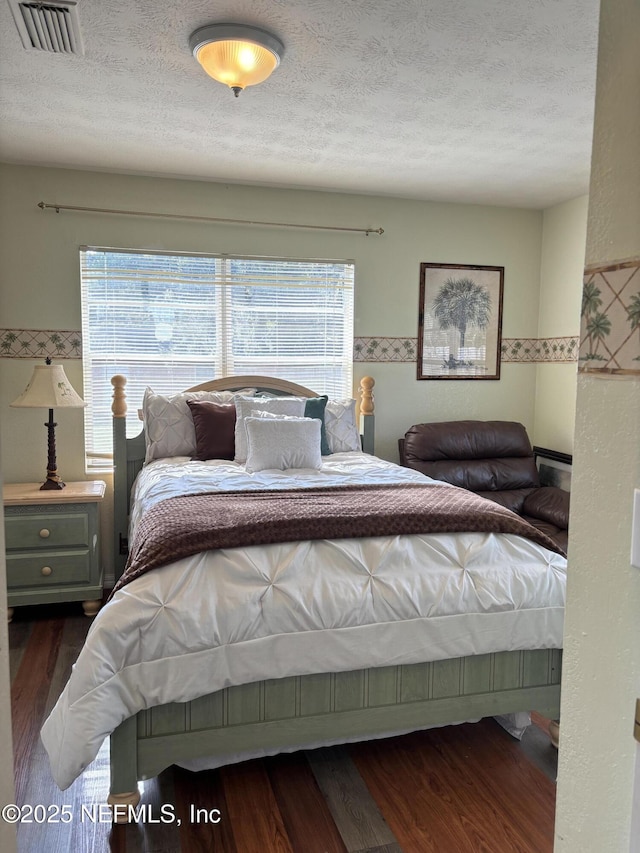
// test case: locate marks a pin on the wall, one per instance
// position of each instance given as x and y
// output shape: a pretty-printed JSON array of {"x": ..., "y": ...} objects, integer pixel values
[
  {"x": 564, "y": 230},
  {"x": 40, "y": 283},
  {"x": 601, "y": 677},
  {"x": 7, "y": 793}
]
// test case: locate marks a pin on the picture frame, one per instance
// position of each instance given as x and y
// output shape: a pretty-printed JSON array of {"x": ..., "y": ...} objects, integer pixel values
[
  {"x": 553, "y": 467},
  {"x": 459, "y": 321}
]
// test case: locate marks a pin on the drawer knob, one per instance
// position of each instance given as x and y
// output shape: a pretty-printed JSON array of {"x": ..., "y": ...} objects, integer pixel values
[
  {"x": 44, "y": 533},
  {"x": 46, "y": 571}
]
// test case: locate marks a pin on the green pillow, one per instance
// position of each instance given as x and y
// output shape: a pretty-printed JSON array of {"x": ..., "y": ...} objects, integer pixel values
[{"x": 314, "y": 408}]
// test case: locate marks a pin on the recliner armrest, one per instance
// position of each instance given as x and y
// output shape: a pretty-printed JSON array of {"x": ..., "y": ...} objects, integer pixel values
[{"x": 548, "y": 503}]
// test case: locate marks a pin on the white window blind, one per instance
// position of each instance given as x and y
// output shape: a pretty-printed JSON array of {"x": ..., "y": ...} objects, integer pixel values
[{"x": 170, "y": 321}]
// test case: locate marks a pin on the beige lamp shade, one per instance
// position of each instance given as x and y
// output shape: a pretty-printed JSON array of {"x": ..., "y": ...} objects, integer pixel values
[
  {"x": 49, "y": 388},
  {"x": 235, "y": 54}
]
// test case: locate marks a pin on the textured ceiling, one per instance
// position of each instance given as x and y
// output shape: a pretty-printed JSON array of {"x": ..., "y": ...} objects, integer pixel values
[{"x": 481, "y": 101}]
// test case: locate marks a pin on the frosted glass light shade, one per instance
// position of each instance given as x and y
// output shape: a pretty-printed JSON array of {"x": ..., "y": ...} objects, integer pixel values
[
  {"x": 236, "y": 55},
  {"x": 49, "y": 388},
  {"x": 237, "y": 63}
]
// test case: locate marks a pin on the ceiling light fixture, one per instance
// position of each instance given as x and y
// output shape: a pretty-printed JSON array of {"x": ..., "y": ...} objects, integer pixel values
[{"x": 236, "y": 54}]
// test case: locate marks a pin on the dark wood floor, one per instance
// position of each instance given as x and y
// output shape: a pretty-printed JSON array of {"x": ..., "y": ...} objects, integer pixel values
[{"x": 450, "y": 790}]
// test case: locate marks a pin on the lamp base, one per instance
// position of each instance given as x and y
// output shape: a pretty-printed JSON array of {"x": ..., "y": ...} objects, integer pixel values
[{"x": 52, "y": 483}]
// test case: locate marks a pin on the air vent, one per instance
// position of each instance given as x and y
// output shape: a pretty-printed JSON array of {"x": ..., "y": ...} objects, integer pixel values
[{"x": 52, "y": 27}]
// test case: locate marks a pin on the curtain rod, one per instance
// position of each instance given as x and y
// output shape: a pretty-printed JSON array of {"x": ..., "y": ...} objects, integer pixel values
[{"x": 58, "y": 207}]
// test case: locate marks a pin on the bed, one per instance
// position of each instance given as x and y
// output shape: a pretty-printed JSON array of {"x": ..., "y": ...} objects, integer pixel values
[{"x": 204, "y": 663}]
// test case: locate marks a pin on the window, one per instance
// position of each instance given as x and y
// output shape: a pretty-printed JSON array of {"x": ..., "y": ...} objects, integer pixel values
[{"x": 171, "y": 321}]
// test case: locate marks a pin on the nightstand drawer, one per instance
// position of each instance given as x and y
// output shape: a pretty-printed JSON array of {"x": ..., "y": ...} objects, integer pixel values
[
  {"x": 47, "y": 530},
  {"x": 54, "y": 568},
  {"x": 53, "y": 544}
]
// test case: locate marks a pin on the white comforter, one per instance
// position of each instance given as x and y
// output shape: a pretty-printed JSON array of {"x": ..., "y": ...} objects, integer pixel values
[{"x": 238, "y": 615}]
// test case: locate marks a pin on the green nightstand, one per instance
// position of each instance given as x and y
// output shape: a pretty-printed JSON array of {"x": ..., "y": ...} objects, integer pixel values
[{"x": 53, "y": 544}]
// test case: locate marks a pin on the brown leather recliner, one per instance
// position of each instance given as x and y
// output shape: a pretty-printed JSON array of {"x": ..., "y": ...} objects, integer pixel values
[{"x": 494, "y": 459}]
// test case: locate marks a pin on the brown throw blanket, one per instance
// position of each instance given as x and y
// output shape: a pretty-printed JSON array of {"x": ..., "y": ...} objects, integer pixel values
[{"x": 180, "y": 527}]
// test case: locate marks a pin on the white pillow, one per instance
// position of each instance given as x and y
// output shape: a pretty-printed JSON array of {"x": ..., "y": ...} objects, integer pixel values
[
  {"x": 340, "y": 426},
  {"x": 168, "y": 425},
  {"x": 293, "y": 406},
  {"x": 282, "y": 443},
  {"x": 259, "y": 413}
]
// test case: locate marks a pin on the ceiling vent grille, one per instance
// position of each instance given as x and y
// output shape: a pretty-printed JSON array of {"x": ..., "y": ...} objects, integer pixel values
[{"x": 53, "y": 27}]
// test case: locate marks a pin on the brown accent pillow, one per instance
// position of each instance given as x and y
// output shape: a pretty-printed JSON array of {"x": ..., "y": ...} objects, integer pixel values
[{"x": 215, "y": 425}]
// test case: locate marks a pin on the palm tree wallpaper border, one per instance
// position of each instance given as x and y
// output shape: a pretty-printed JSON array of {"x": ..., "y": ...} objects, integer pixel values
[
  {"x": 37, "y": 343},
  {"x": 460, "y": 321},
  {"x": 610, "y": 320},
  {"x": 377, "y": 349}
]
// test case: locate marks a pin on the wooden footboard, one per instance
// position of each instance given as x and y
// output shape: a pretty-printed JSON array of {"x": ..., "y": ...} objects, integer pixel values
[{"x": 293, "y": 713}]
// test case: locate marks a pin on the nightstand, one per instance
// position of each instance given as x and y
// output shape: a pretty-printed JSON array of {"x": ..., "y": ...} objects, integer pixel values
[{"x": 53, "y": 544}]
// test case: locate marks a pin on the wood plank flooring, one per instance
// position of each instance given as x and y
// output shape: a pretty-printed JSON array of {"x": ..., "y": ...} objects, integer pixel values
[{"x": 458, "y": 789}]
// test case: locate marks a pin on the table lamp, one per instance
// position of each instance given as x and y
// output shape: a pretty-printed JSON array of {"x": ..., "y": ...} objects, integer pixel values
[{"x": 49, "y": 388}]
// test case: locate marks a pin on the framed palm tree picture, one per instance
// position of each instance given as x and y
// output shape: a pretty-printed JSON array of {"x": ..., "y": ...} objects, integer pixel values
[{"x": 459, "y": 321}]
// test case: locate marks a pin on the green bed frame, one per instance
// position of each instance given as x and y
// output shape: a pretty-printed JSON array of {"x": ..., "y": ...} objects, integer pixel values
[{"x": 286, "y": 714}]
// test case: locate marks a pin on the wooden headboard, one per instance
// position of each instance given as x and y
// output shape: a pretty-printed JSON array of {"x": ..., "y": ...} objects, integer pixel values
[{"x": 129, "y": 453}]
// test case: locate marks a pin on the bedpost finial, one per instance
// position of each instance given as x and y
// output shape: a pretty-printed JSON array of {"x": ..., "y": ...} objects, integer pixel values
[
  {"x": 366, "y": 395},
  {"x": 119, "y": 405}
]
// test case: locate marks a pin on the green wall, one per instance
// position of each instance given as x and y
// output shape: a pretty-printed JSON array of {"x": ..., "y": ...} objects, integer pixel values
[
  {"x": 601, "y": 665},
  {"x": 40, "y": 281},
  {"x": 564, "y": 232}
]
